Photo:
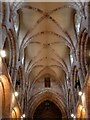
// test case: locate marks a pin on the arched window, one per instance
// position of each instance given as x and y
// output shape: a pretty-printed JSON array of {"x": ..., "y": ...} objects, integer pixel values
[
  {"x": 78, "y": 19},
  {"x": 47, "y": 81}
]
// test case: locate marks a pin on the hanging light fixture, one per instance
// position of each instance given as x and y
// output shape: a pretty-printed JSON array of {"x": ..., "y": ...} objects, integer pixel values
[
  {"x": 72, "y": 115},
  {"x": 16, "y": 94},
  {"x": 80, "y": 93},
  {"x": 2, "y": 53},
  {"x": 23, "y": 115}
]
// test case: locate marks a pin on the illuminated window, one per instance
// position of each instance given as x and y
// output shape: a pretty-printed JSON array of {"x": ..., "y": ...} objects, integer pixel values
[
  {"x": 22, "y": 60},
  {"x": 77, "y": 22},
  {"x": 71, "y": 58}
]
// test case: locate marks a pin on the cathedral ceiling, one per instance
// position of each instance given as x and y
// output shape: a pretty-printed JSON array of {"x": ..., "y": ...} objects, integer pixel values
[{"x": 46, "y": 35}]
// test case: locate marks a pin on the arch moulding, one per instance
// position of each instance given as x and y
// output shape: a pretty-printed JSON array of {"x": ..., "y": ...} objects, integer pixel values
[{"x": 41, "y": 97}]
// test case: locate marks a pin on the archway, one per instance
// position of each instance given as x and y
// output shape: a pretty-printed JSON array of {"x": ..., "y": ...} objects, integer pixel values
[
  {"x": 81, "y": 112},
  {"x": 4, "y": 96},
  {"x": 87, "y": 97},
  {"x": 45, "y": 95},
  {"x": 15, "y": 114},
  {"x": 47, "y": 110}
]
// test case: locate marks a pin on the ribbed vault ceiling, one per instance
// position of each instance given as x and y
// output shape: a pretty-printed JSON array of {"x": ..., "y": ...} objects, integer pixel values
[{"x": 46, "y": 31}]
